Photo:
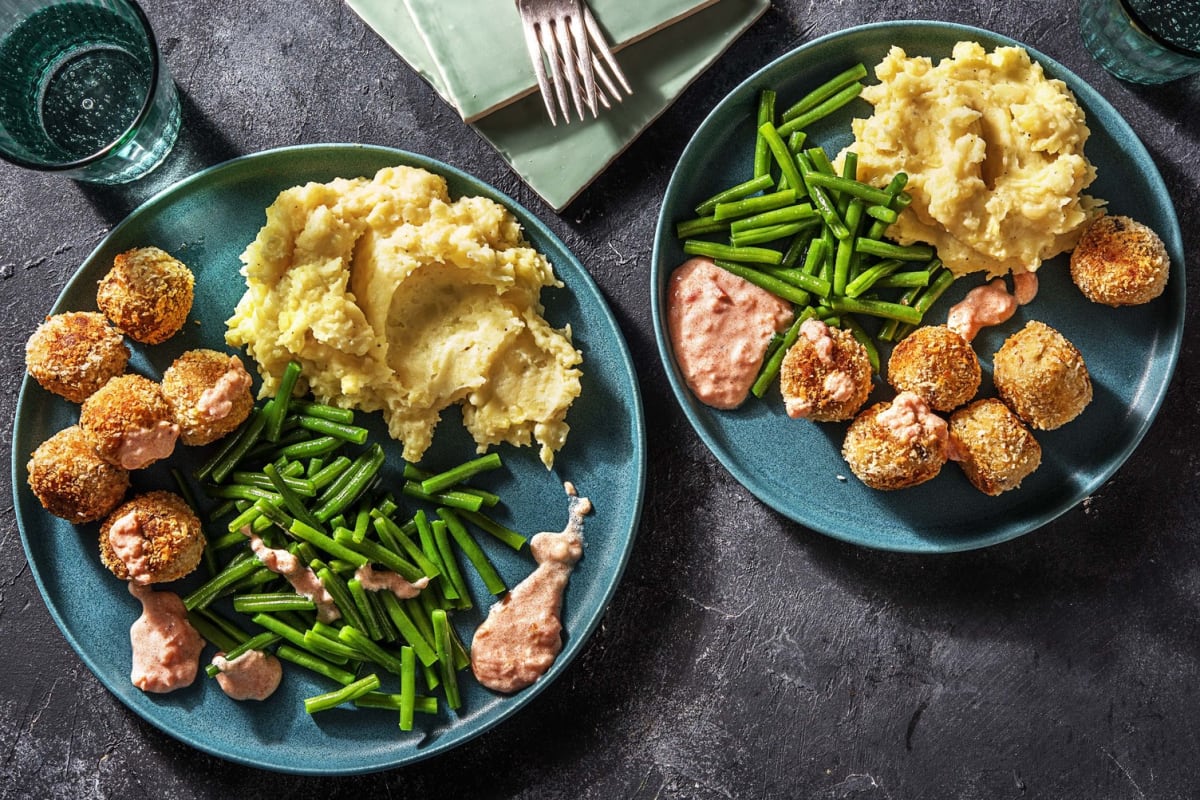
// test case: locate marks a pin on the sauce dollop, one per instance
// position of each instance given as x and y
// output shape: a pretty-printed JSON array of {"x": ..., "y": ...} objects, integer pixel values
[
  {"x": 908, "y": 419},
  {"x": 719, "y": 326},
  {"x": 303, "y": 580},
  {"x": 125, "y": 538},
  {"x": 254, "y": 675},
  {"x": 990, "y": 304},
  {"x": 522, "y": 634},
  {"x": 143, "y": 446},
  {"x": 217, "y": 400},
  {"x": 382, "y": 580},
  {"x": 166, "y": 648}
]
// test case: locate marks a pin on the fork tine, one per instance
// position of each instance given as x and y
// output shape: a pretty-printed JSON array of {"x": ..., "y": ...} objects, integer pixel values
[
  {"x": 578, "y": 28},
  {"x": 599, "y": 71},
  {"x": 535, "y": 56},
  {"x": 601, "y": 46},
  {"x": 550, "y": 46},
  {"x": 570, "y": 61}
]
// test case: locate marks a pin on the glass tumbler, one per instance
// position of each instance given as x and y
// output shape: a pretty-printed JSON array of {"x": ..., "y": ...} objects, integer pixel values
[
  {"x": 1143, "y": 41},
  {"x": 85, "y": 91}
]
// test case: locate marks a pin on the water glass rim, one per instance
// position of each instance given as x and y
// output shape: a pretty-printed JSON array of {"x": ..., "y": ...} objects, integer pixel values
[
  {"x": 1147, "y": 31},
  {"x": 147, "y": 104}
]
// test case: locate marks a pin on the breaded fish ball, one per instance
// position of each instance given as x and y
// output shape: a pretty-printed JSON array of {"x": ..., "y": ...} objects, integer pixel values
[
  {"x": 152, "y": 538},
  {"x": 129, "y": 422},
  {"x": 75, "y": 353},
  {"x": 209, "y": 395},
  {"x": 896, "y": 445},
  {"x": 71, "y": 481},
  {"x": 1120, "y": 262},
  {"x": 826, "y": 375},
  {"x": 1042, "y": 377},
  {"x": 938, "y": 364},
  {"x": 147, "y": 294},
  {"x": 993, "y": 446}
]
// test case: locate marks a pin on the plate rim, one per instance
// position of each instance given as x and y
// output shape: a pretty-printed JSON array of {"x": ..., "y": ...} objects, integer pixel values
[
  {"x": 664, "y": 228},
  {"x": 580, "y": 278}
]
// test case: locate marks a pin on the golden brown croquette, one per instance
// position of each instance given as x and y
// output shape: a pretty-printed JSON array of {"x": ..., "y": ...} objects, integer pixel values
[
  {"x": 209, "y": 395},
  {"x": 896, "y": 445},
  {"x": 993, "y": 447},
  {"x": 152, "y": 538},
  {"x": 147, "y": 294},
  {"x": 129, "y": 422},
  {"x": 71, "y": 481},
  {"x": 938, "y": 364},
  {"x": 826, "y": 375},
  {"x": 75, "y": 353},
  {"x": 1042, "y": 377},
  {"x": 1120, "y": 262}
]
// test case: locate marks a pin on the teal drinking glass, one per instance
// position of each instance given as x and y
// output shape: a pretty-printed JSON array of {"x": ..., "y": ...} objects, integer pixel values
[
  {"x": 85, "y": 91},
  {"x": 1143, "y": 41}
]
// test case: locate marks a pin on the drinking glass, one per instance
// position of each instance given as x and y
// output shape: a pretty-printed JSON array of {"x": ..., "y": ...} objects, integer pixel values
[
  {"x": 1143, "y": 41},
  {"x": 84, "y": 92}
]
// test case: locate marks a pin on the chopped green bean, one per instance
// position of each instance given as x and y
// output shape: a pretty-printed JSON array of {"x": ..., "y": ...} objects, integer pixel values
[
  {"x": 733, "y": 193},
  {"x": 324, "y": 702}
]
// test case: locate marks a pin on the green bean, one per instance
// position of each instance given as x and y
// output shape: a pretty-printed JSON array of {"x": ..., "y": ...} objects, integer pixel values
[
  {"x": 462, "y": 472},
  {"x": 358, "y": 478},
  {"x": 291, "y": 500},
  {"x": 301, "y": 486},
  {"x": 272, "y": 601},
  {"x": 330, "y": 472},
  {"x": 798, "y": 278},
  {"x": 323, "y": 541},
  {"x": 912, "y": 278},
  {"x": 784, "y": 157},
  {"x": 453, "y": 575},
  {"x": 935, "y": 290},
  {"x": 331, "y": 649},
  {"x": 339, "y": 430},
  {"x": 771, "y": 365},
  {"x": 379, "y": 555},
  {"x": 823, "y": 110},
  {"x": 340, "y": 593},
  {"x": 318, "y": 665},
  {"x": 241, "y": 491},
  {"x": 233, "y": 449},
  {"x": 755, "y": 205},
  {"x": 882, "y": 213},
  {"x": 825, "y": 91},
  {"x": 821, "y": 200},
  {"x": 796, "y": 213},
  {"x": 760, "y": 279},
  {"x": 210, "y": 632},
  {"x": 699, "y": 226},
  {"x": 410, "y": 548},
  {"x": 912, "y": 252},
  {"x": 408, "y": 687},
  {"x": 471, "y": 549},
  {"x": 871, "y": 276},
  {"x": 843, "y": 261},
  {"x": 372, "y": 625},
  {"x": 259, "y": 642},
  {"x": 817, "y": 250},
  {"x": 455, "y": 498},
  {"x": 864, "y": 338},
  {"x": 429, "y": 548},
  {"x": 863, "y": 191},
  {"x": 391, "y": 702},
  {"x": 209, "y": 591},
  {"x": 441, "y": 631},
  {"x": 876, "y": 308},
  {"x": 310, "y": 448},
  {"x": 769, "y": 233},
  {"x": 762, "y": 152},
  {"x": 277, "y": 409},
  {"x": 507, "y": 535},
  {"x": 796, "y": 248},
  {"x": 409, "y": 631},
  {"x": 314, "y": 409},
  {"x": 733, "y": 193},
  {"x": 324, "y": 702},
  {"x": 278, "y": 626},
  {"x": 362, "y": 643}
]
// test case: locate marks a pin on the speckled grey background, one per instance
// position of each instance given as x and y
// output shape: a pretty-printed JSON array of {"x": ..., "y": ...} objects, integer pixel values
[{"x": 743, "y": 656}]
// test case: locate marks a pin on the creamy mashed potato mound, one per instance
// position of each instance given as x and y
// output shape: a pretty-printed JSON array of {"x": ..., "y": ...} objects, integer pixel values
[
  {"x": 392, "y": 297},
  {"x": 993, "y": 151}
]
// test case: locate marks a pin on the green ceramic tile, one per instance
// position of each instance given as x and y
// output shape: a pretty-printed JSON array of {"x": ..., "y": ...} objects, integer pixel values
[
  {"x": 478, "y": 46},
  {"x": 559, "y": 162}
]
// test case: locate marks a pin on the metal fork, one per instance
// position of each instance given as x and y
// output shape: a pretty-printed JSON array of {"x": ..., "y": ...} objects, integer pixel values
[{"x": 565, "y": 35}]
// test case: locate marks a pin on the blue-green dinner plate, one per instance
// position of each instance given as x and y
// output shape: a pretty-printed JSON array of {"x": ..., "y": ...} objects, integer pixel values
[
  {"x": 795, "y": 466},
  {"x": 207, "y": 220}
]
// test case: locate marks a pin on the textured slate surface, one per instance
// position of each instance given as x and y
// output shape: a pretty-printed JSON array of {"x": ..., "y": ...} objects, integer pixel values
[{"x": 743, "y": 656}]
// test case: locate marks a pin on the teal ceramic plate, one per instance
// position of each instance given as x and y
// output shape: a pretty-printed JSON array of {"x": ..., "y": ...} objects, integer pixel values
[
  {"x": 206, "y": 221},
  {"x": 796, "y": 467}
]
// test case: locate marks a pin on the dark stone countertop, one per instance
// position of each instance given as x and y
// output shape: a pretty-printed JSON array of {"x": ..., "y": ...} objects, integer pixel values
[{"x": 743, "y": 655}]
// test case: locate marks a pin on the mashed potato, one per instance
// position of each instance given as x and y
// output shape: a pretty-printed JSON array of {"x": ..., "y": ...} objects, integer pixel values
[
  {"x": 391, "y": 297},
  {"x": 993, "y": 151}
]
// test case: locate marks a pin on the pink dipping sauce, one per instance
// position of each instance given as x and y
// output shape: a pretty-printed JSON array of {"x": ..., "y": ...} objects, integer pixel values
[
  {"x": 166, "y": 648},
  {"x": 522, "y": 634},
  {"x": 143, "y": 446},
  {"x": 1025, "y": 287},
  {"x": 719, "y": 326},
  {"x": 125, "y": 538},
  {"x": 302, "y": 579},
  {"x": 909, "y": 418},
  {"x": 254, "y": 675},
  {"x": 382, "y": 580},
  {"x": 217, "y": 400},
  {"x": 990, "y": 304}
]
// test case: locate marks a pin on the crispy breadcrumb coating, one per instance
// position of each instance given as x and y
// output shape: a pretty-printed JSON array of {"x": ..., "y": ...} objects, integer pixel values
[
  {"x": 209, "y": 395},
  {"x": 1042, "y": 377},
  {"x": 123, "y": 416},
  {"x": 71, "y": 481},
  {"x": 993, "y": 447},
  {"x": 1120, "y": 262},
  {"x": 75, "y": 353},
  {"x": 171, "y": 539},
  {"x": 897, "y": 444},
  {"x": 147, "y": 294},
  {"x": 826, "y": 375},
  {"x": 937, "y": 364}
]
